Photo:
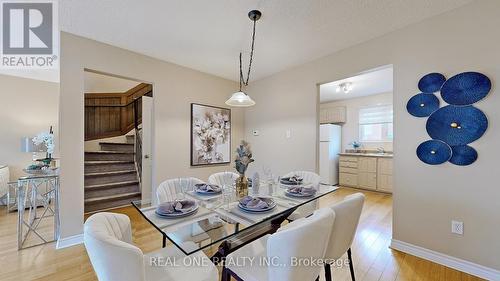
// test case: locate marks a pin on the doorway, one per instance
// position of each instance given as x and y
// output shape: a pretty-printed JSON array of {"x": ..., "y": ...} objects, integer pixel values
[
  {"x": 356, "y": 130},
  {"x": 118, "y": 141}
]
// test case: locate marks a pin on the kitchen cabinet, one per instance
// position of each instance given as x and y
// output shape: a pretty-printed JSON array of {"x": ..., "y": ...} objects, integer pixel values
[
  {"x": 336, "y": 114},
  {"x": 384, "y": 174},
  {"x": 366, "y": 172}
]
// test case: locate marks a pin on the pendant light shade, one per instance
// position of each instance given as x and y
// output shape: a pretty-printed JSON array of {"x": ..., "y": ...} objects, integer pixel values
[{"x": 240, "y": 99}]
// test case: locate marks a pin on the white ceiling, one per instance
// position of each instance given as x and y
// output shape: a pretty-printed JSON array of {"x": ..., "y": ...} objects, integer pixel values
[
  {"x": 369, "y": 83},
  {"x": 100, "y": 83},
  {"x": 208, "y": 35}
]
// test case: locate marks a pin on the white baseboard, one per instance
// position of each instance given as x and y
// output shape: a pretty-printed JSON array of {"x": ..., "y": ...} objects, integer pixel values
[
  {"x": 69, "y": 241},
  {"x": 449, "y": 261}
]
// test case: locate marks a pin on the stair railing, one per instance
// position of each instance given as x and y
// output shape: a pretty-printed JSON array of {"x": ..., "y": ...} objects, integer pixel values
[{"x": 138, "y": 138}]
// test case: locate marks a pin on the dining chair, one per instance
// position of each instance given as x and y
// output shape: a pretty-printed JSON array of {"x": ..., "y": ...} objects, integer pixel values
[
  {"x": 303, "y": 238},
  {"x": 169, "y": 189},
  {"x": 347, "y": 214},
  {"x": 108, "y": 241},
  {"x": 309, "y": 208},
  {"x": 222, "y": 178}
]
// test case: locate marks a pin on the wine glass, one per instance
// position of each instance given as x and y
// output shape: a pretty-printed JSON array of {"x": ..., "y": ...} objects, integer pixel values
[{"x": 184, "y": 185}]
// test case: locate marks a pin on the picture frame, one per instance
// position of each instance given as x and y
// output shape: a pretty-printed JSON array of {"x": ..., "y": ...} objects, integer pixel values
[{"x": 210, "y": 135}]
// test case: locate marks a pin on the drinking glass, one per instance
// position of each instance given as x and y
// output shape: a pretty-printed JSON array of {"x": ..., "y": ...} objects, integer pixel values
[{"x": 184, "y": 185}]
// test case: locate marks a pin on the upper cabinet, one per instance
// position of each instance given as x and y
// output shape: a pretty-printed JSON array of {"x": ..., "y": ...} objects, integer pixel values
[{"x": 336, "y": 114}]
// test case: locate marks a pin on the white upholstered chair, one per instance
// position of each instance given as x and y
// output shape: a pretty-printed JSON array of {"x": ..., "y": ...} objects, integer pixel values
[
  {"x": 4, "y": 182},
  {"x": 108, "y": 240},
  {"x": 309, "y": 208},
  {"x": 306, "y": 237},
  {"x": 347, "y": 214},
  {"x": 222, "y": 178},
  {"x": 169, "y": 189}
]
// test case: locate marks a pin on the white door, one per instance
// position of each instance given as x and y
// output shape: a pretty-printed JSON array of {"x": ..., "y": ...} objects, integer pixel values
[{"x": 147, "y": 131}]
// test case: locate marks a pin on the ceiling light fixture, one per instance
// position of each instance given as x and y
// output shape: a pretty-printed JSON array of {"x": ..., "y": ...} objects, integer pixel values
[
  {"x": 240, "y": 99},
  {"x": 346, "y": 87}
]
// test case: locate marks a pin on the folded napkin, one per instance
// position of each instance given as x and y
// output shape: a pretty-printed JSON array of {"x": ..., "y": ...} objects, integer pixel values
[
  {"x": 306, "y": 190},
  {"x": 256, "y": 202},
  {"x": 208, "y": 187},
  {"x": 293, "y": 179},
  {"x": 179, "y": 206}
]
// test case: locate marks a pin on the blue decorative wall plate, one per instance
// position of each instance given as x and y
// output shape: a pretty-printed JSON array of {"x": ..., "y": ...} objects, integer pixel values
[
  {"x": 466, "y": 88},
  {"x": 422, "y": 105},
  {"x": 463, "y": 155},
  {"x": 457, "y": 125},
  {"x": 434, "y": 152},
  {"x": 431, "y": 83}
]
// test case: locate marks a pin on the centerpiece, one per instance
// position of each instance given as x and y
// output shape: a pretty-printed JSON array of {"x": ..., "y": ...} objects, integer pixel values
[{"x": 243, "y": 158}]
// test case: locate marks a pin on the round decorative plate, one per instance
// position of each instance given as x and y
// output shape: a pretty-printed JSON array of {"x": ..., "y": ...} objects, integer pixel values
[
  {"x": 434, "y": 152},
  {"x": 466, "y": 88},
  {"x": 463, "y": 155},
  {"x": 457, "y": 125},
  {"x": 431, "y": 83},
  {"x": 271, "y": 203},
  {"x": 422, "y": 105}
]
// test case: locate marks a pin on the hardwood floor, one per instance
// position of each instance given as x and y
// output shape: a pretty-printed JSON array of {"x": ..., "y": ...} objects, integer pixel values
[{"x": 373, "y": 260}]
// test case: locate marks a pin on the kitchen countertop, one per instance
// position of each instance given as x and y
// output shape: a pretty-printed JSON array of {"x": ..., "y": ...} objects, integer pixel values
[{"x": 358, "y": 154}]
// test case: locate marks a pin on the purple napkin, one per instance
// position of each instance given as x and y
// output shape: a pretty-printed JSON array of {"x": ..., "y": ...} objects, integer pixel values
[
  {"x": 181, "y": 206},
  {"x": 208, "y": 187},
  {"x": 305, "y": 190},
  {"x": 256, "y": 203}
]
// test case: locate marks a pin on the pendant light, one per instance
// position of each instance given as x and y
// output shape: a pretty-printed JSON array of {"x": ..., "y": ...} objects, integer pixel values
[{"x": 240, "y": 98}]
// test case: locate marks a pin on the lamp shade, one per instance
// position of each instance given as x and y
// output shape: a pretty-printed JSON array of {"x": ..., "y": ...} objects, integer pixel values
[
  {"x": 27, "y": 145},
  {"x": 240, "y": 99}
]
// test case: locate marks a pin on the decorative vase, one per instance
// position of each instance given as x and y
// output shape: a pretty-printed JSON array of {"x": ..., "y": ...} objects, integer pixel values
[{"x": 241, "y": 186}]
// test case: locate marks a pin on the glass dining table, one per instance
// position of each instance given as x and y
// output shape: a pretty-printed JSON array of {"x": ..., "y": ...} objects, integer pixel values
[{"x": 219, "y": 219}]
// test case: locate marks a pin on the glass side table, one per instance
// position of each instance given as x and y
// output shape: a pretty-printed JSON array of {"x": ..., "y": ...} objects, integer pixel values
[{"x": 37, "y": 205}]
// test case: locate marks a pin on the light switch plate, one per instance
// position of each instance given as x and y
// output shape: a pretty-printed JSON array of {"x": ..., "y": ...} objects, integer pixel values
[
  {"x": 457, "y": 227},
  {"x": 288, "y": 133}
]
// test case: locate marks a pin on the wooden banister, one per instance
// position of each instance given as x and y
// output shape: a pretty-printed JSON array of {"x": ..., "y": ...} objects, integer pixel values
[{"x": 112, "y": 114}]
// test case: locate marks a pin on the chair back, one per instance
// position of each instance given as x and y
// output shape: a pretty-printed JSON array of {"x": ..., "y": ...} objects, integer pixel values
[
  {"x": 309, "y": 177},
  {"x": 303, "y": 238},
  {"x": 222, "y": 178},
  {"x": 4, "y": 180},
  {"x": 108, "y": 240},
  {"x": 347, "y": 214},
  {"x": 169, "y": 189}
]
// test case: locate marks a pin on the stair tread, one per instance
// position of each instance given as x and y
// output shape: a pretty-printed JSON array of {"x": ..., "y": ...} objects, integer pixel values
[
  {"x": 117, "y": 143},
  {"x": 110, "y": 173},
  {"x": 111, "y": 197},
  {"x": 97, "y": 162},
  {"x": 104, "y": 185},
  {"x": 110, "y": 152}
]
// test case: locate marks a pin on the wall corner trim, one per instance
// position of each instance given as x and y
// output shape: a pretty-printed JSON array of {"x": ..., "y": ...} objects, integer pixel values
[
  {"x": 449, "y": 261},
  {"x": 69, "y": 241}
]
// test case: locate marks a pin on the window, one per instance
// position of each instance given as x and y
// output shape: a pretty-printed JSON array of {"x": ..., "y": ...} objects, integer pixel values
[{"x": 375, "y": 124}]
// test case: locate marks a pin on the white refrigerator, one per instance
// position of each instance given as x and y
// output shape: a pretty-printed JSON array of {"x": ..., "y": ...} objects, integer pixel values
[{"x": 330, "y": 138}]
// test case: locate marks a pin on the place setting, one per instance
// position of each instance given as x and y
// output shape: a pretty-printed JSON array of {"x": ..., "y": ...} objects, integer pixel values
[
  {"x": 205, "y": 191},
  {"x": 176, "y": 209}
]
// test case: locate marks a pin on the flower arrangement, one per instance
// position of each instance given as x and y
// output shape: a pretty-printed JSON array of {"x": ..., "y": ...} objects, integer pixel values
[
  {"x": 211, "y": 130},
  {"x": 46, "y": 138},
  {"x": 243, "y": 157}
]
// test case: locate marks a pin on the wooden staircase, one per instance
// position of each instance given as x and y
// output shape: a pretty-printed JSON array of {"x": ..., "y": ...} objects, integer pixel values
[{"x": 111, "y": 179}]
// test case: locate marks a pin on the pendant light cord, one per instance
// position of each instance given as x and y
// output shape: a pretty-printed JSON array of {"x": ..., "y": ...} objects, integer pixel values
[{"x": 242, "y": 79}]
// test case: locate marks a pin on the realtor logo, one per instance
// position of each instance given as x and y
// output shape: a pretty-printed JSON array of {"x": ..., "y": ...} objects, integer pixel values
[{"x": 29, "y": 30}]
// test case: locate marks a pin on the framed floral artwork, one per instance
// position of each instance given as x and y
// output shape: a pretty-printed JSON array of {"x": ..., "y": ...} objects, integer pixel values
[{"x": 210, "y": 135}]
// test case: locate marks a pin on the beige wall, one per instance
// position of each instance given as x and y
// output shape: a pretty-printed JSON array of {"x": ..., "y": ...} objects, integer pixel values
[
  {"x": 426, "y": 198},
  {"x": 29, "y": 107},
  {"x": 174, "y": 88},
  {"x": 350, "y": 129}
]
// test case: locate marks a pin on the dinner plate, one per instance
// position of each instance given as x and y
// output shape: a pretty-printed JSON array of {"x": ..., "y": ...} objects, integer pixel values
[
  {"x": 178, "y": 214},
  {"x": 204, "y": 192},
  {"x": 287, "y": 182},
  {"x": 251, "y": 210},
  {"x": 300, "y": 195}
]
